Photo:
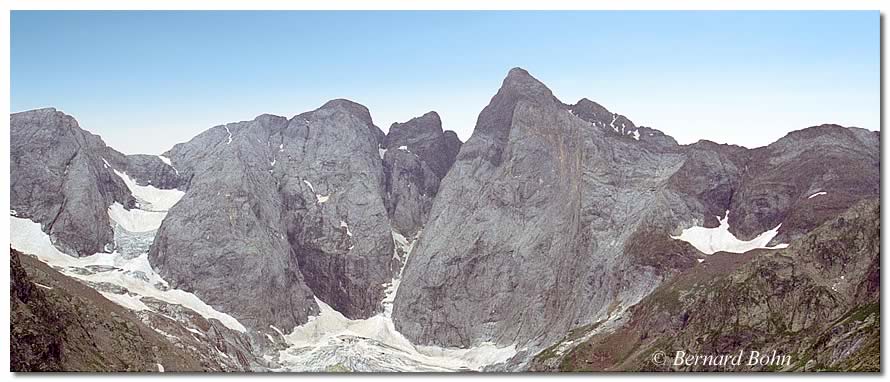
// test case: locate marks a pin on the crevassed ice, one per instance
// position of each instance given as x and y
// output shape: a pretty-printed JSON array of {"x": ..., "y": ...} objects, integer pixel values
[
  {"x": 330, "y": 340},
  {"x": 719, "y": 239},
  {"x": 135, "y": 274},
  {"x": 134, "y": 219},
  {"x": 131, "y": 272}
]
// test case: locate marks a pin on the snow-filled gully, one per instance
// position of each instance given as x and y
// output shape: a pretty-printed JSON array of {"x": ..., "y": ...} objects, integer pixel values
[{"x": 329, "y": 341}]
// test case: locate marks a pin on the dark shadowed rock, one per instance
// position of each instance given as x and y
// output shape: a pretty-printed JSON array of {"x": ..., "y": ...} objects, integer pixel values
[
  {"x": 780, "y": 180},
  {"x": 424, "y": 137},
  {"x": 418, "y": 155}
]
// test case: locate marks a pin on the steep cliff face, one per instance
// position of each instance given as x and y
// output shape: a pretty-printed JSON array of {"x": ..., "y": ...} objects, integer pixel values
[
  {"x": 526, "y": 236},
  {"x": 66, "y": 178},
  {"x": 417, "y": 156},
  {"x": 58, "y": 324},
  {"x": 817, "y": 301},
  {"x": 559, "y": 216},
  {"x": 59, "y": 179},
  {"x": 293, "y": 207}
]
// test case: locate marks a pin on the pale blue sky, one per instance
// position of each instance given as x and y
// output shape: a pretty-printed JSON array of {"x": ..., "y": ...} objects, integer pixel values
[{"x": 147, "y": 80}]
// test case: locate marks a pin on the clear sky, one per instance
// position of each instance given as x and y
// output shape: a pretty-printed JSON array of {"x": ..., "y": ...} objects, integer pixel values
[{"x": 147, "y": 80}]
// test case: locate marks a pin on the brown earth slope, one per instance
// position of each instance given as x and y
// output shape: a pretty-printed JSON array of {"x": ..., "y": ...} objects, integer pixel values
[
  {"x": 60, "y": 324},
  {"x": 817, "y": 301}
]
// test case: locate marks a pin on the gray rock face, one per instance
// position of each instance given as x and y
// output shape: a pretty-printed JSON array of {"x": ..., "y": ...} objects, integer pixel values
[
  {"x": 151, "y": 170},
  {"x": 554, "y": 216},
  {"x": 550, "y": 217},
  {"x": 418, "y": 155},
  {"x": 527, "y": 235},
  {"x": 280, "y": 210},
  {"x": 58, "y": 178},
  {"x": 424, "y": 137},
  {"x": 411, "y": 187},
  {"x": 844, "y": 163}
]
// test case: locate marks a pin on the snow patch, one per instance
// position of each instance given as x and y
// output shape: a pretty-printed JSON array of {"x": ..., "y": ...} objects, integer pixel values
[
  {"x": 319, "y": 197},
  {"x": 719, "y": 239},
  {"x": 820, "y": 193},
  {"x": 381, "y": 151},
  {"x": 636, "y": 135},
  {"x": 105, "y": 163},
  {"x": 160, "y": 368},
  {"x": 404, "y": 148},
  {"x": 344, "y": 225},
  {"x": 150, "y": 197},
  {"x": 43, "y": 286}
]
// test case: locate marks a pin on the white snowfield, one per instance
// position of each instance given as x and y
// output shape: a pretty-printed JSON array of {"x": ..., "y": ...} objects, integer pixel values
[
  {"x": 134, "y": 274},
  {"x": 330, "y": 340},
  {"x": 151, "y": 198},
  {"x": 712, "y": 240}
]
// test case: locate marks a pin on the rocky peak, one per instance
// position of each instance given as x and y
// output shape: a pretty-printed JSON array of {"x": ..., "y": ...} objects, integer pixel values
[
  {"x": 418, "y": 156},
  {"x": 61, "y": 179},
  {"x": 355, "y": 108},
  {"x": 520, "y": 83},
  {"x": 425, "y": 127},
  {"x": 589, "y": 110}
]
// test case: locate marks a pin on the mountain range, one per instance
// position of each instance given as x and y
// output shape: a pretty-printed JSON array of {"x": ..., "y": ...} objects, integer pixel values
[{"x": 557, "y": 237}]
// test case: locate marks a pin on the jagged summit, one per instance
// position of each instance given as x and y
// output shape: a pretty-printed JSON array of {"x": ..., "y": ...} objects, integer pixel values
[
  {"x": 590, "y": 109},
  {"x": 520, "y": 83}
]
